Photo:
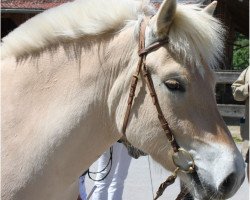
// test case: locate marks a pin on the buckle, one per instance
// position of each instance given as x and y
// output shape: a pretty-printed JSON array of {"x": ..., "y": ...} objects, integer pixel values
[{"x": 184, "y": 161}]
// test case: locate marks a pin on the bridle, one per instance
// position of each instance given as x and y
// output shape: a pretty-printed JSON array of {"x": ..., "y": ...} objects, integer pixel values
[{"x": 146, "y": 76}]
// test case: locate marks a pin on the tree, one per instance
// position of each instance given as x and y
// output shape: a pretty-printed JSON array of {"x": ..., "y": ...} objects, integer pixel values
[{"x": 241, "y": 52}]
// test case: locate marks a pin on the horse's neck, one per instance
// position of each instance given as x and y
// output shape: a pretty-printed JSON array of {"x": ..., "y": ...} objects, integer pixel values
[{"x": 60, "y": 112}]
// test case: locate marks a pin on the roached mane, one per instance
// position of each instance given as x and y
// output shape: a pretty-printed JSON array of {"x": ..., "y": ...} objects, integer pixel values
[{"x": 194, "y": 35}]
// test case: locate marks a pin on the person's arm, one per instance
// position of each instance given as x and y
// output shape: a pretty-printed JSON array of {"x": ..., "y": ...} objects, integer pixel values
[{"x": 240, "y": 88}]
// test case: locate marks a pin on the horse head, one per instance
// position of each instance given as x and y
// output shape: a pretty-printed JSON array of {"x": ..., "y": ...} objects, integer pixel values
[{"x": 182, "y": 76}]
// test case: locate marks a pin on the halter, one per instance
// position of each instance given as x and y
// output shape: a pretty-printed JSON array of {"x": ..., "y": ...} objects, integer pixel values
[{"x": 179, "y": 153}]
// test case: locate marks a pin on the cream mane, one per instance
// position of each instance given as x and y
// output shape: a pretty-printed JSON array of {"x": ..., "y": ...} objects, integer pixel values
[
  {"x": 194, "y": 35},
  {"x": 70, "y": 21}
]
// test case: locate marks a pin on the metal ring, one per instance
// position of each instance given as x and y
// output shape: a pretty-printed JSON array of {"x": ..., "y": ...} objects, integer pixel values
[{"x": 189, "y": 159}]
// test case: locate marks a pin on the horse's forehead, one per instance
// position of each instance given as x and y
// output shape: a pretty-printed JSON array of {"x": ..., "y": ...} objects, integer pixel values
[{"x": 165, "y": 63}]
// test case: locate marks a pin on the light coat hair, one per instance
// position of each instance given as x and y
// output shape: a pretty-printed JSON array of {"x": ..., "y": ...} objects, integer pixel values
[{"x": 65, "y": 82}]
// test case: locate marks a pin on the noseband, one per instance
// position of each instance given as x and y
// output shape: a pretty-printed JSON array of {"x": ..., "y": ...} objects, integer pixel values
[{"x": 179, "y": 153}]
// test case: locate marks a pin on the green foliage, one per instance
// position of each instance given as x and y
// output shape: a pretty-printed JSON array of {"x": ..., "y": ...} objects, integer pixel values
[
  {"x": 237, "y": 139},
  {"x": 241, "y": 52}
]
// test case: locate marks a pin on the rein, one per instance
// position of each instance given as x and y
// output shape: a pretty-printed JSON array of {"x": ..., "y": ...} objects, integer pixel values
[{"x": 179, "y": 153}]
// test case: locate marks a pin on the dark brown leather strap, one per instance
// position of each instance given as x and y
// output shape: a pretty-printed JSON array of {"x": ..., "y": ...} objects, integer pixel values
[
  {"x": 161, "y": 117},
  {"x": 141, "y": 52},
  {"x": 153, "y": 47},
  {"x": 141, "y": 66},
  {"x": 141, "y": 45},
  {"x": 131, "y": 96},
  {"x": 170, "y": 180}
]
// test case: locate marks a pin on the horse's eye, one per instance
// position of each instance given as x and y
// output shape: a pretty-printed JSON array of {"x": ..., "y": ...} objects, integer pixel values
[{"x": 174, "y": 85}]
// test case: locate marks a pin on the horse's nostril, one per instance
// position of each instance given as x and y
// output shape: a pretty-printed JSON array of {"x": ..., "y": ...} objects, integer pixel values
[{"x": 228, "y": 184}]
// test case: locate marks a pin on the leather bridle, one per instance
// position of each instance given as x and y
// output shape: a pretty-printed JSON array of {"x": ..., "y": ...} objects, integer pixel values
[{"x": 146, "y": 76}]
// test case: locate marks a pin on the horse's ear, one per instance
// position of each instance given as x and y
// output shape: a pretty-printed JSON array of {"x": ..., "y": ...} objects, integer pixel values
[
  {"x": 165, "y": 16},
  {"x": 210, "y": 8}
]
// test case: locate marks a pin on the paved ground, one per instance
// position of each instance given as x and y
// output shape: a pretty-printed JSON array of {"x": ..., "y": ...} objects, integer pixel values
[{"x": 145, "y": 176}]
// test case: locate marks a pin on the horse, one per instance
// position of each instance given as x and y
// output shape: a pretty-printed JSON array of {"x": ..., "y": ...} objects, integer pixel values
[{"x": 66, "y": 77}]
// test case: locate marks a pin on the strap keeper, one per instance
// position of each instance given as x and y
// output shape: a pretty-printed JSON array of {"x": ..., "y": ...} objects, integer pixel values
[{"x": 135, "y": 76}]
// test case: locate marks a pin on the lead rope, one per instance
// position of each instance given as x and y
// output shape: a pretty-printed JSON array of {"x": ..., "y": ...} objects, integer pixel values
[{"x": 170, "y": 180}]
